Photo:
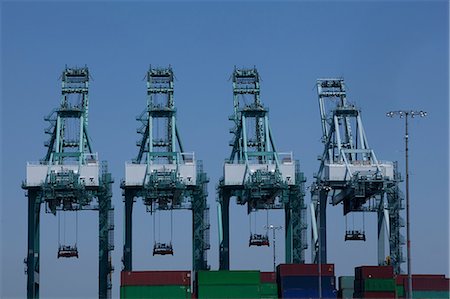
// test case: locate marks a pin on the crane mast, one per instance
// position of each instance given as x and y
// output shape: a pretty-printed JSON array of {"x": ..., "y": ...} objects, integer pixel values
[
  {"x": 256, "y": 174},
  {"x": 350, "y": 174},
  {"x": 69, "y": 179},
  {"x": 162, "y": 174}
]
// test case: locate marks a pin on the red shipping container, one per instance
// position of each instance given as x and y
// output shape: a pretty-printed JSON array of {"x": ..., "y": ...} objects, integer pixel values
[
  {"x": 153, "y": 278},
  {"x": 400, "y": 277},
  {"x": 375, "y": 295},
  {"x": 304, "y": 270},
  {"x": 268, "y": 277},
  {"x": 425, "y": 282},
  {"x": 374, "y": 272}
]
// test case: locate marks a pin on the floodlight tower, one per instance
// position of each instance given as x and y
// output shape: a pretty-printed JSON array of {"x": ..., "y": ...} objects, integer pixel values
[
  {"x": 70, "y": 178},
  {"x": 350, "y": 174},
  {"x": 163, "y": 175},
  {"x": 257, "y": 175}
]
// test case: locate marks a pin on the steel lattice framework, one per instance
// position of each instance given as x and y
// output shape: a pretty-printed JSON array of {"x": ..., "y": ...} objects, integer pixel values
[
  {"x": 351, "y": 175},
  {"x": 256, "y": 174},
  {"x": 70, "y": 178},
  {"x": 163, "y": 175}
]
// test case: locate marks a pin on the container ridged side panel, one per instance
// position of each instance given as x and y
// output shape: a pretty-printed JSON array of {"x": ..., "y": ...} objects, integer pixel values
[
  {"x": 304, "y": 270},
  {"x": 228, "y": 291},
  {"x": 228, "y": 277},
  {"x": 154, "y": 278},
  {"x": 375, "y": 285},
  {"x": 154, "y": 292}
]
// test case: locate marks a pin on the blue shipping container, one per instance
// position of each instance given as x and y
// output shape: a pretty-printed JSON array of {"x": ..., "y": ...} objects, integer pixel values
[
  {"x": 307, "y": 282},
  {"x": 305, "y": 293}
]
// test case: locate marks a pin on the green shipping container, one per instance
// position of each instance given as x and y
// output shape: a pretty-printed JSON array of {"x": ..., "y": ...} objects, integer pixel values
[
  {"x": 378, "y": 285},
  {"x": 346, "y": 282},
  {"x": 430, "y": 294},
  {"x": 400, "y": 291},
  {"x": 269, "y": 289},
  {"x": 347, "y": 293},
  {"x": 228, "y": 277},
  {"x": 228, "y": 291},
  {"x": 153, "y": 292}
]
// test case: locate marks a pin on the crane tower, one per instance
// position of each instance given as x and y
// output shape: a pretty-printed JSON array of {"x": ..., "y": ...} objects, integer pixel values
[
  {"x": 70, "y": 178},
  {"x": 162, "y": 174},
  {"x": 351, "y": 175},
  {"x": 257, "y": 175}
]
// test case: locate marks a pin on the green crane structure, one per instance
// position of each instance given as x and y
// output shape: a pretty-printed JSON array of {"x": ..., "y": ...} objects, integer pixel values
[
  {"x": 257, "y": 175},
  {"x": 351, "y": 175},
  {"x": 162, "y": 174},
  {"x": 70, "y": 178}
]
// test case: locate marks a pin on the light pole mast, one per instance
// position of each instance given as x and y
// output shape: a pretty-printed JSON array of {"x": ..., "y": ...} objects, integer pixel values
[
  {"x": 273, "y": 228},
  {"x": 405, "y": 114}
]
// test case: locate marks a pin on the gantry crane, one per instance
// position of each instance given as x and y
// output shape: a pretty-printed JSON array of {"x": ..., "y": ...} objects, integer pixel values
[
  {"x": 257, "y": 175},
  {"x": 350, "y": 174},
  {"x": 69, "y": 178},
  {"x": 163, "y": 175}
]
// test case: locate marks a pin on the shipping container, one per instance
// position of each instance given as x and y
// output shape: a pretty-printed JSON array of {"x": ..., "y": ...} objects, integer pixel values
[
  {"x": 375, "y": 285},
  {"x": 228, "y": 291},
  {"x": 425, "y": 282},
  {"x": 228, "y": 278},
  {"x": 400, "y": 290},
  {"x": 375, "y": 295},
  {"x": 268, "y": 277},
  {"x": 304, "y": 270},
  {"x": 346, "y": 282},
  {"x": 269, "y": 289},
  {"x": 153, "y": 292},
  {"x": 346, "y": 293},
  {"x": 307, "y": 282},
  {"x": 153, "y": 278},
  {"x": 400, "y": 277},
  {"x": 374, "y": 272},
  {"x": 430, "y": 294},
  {"x": 307, "y": 293}
]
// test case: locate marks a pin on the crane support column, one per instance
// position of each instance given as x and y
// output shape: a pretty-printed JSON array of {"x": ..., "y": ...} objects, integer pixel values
[
  {"x": 200, "y": 223},
  {"x": 288, "y": 234},
  {"x": 224, "y": 254},
  {"x": 106, "y": 235},
  {"x": 298, "y": 219},
  {"x": 33, "y": 255},
  {"x": 127, "y": 247}
]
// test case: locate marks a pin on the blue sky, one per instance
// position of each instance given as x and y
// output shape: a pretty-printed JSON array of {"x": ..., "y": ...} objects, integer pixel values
[{"x": 393, "y": 55}]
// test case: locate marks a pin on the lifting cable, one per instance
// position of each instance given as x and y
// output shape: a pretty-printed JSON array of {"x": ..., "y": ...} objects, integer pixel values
[
  {"x": 159, "y": 226},
  {"x": 76, "y": 227},
  {"x": 59, "y": 229},
  {"x": 154, "y": 226},
  {"x": 171, "y": 225},
  {"x": 364, "y": 223}
]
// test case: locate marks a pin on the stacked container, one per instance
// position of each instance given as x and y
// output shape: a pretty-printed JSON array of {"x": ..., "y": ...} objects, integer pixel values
[
  {"x": 374, "y": 282},
  {"x": 346, "y": 287},
  {"x": 227, "y": 284},
  {"x": 268, "y": 288},
  {"x": 424, "y": 286},
  {"x": 302, "y": 281},
  {"x": 155, "y": 284}
]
